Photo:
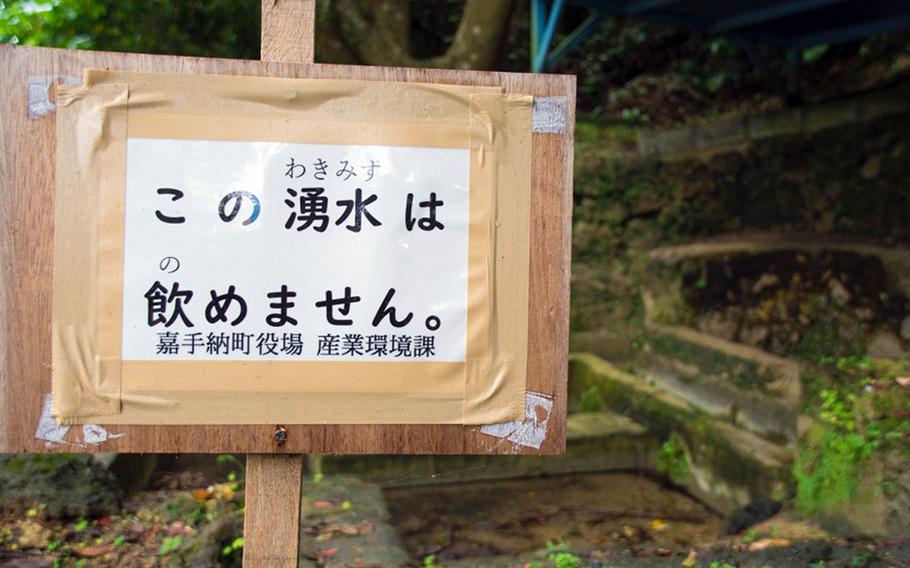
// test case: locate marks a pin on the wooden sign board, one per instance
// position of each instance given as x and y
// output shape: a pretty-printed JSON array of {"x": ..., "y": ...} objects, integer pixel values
[{"x": 28, "y": 157}]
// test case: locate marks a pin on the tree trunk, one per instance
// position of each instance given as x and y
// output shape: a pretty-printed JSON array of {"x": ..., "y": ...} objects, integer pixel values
[{"x": 376, "y": 32}]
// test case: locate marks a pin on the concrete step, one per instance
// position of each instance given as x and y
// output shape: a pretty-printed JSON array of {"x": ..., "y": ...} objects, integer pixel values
[
  {"x": 745, "y": 386},
  {"x": 595, "y": 441},
  {"x": 345, "y": 522},
  {"x": 728, "y": 466}
]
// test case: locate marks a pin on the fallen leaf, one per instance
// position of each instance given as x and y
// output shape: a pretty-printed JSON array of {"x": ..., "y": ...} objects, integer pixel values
[
  {"x": 203, "y": 493},
  {"x": 903, "y": 381},
  {"x": 663, "y": 551},
  {"x": 690, "y": 560},
  {"x": 323, "y": 505},
  {"x": 93, "y": 551},
  {"x": 328, "y": 552},
  {"x": 348, "y": 529},
  {"x": 658, "y": 524},
  {"x": 768, "y": 543}
]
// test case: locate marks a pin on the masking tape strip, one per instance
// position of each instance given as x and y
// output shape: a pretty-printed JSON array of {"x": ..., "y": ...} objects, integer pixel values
[
  {"x": 83, "y": 382},
  {"x": 550, "y": 115},
  {"x": 531, "y": 431},
  {"x": 488, "y": 387},
  {"x": 39, "y": 100}
]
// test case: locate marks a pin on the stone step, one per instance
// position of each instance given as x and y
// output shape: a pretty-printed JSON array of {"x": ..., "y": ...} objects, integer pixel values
[
  {"x": 745, "y": 386},
  {"x": 345, "y": 522},
  {"x": 595, "y": 441},
  {"x": 728, "y": 466}
]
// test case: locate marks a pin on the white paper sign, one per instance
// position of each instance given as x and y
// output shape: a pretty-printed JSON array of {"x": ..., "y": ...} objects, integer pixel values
[{"x": 294, "y": 252}]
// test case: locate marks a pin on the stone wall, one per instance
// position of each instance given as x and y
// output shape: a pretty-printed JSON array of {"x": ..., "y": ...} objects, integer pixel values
[{"x": 704, "y": 139}]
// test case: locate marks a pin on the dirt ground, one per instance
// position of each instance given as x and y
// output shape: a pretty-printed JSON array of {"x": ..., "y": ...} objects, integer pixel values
[{"x": 517, "y": 516}]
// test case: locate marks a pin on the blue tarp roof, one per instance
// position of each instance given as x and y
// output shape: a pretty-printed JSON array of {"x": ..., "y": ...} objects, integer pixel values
[{"x": 792, "y": 23}]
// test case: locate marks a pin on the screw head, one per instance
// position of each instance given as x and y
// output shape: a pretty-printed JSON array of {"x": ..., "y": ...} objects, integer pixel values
[{"x": 281, "y": 435}]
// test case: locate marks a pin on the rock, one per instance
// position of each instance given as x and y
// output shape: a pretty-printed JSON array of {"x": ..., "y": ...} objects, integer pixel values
[
  {"x": 719, "y": 325},
  {"x": 755, "y": 512},
  {"x": 905, "y": 328},
  {"x": 871, "y": 167},
  {"x": 884, "y": 345},
  {"x": 66, "y": 485},
  {"x": 33, "y": 535},
  {"x": 839, "y": 292},
  {"x": 206, "y": 549},
  {"x": 766, "y": 280},
  {"x": 865, "y": 313},
  {"x": 754, "y": 336}
]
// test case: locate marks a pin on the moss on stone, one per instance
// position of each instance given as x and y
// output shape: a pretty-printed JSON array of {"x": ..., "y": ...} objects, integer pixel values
[
  {"x": 58, "y": 485},
  {"x": 741, "y": 459},
  {"x": 741, "y": 372}
]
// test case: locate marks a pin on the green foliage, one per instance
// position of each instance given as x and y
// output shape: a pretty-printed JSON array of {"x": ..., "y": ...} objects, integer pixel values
[
  {"x": 170, "y": 544},
  {"x": 744, "y": 373},
  {"x": 57, "y": 486},
  {"x": 559, "y": 555},
  {"x": 430, "y": 562},
  {"x": 215, "y": 28},
  {"x": 235, "y": 546},
  {"x": 858, "y": 415},
  {"x": 813, "y": 54},
  {"x": 672, "y": 460},
  {"x": 235, "y": 479},
  {"x": 862, "y": 558},
  {"x": 591, "y": 400}
]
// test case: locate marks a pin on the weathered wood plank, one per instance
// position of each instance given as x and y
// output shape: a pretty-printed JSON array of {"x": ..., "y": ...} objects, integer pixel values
[
  {"x": 271, "y": 523},
  {"x": 287, "y": 30}
]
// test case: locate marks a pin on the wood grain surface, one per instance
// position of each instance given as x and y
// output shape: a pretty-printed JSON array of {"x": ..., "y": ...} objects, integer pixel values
[
  {"x": 26, "y": 241},
  {"x": 287, "y": 31}
]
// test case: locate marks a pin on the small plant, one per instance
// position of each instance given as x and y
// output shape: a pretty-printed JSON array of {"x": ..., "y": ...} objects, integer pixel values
[
  {"x": 862, "y": 558},
  {"x": 170, "y": 544},
  {"x": 228, "y": 460},
  {"x": 430, "y": 562},
  {"x": 672, "y": 460},
  {"x": 80, "y": 526},
  {"x": 235, "y": 546},
  {"x": 591, "y": 400},
  {"x": 751, "y": 536},
  {"x": 558, "y": 554}
]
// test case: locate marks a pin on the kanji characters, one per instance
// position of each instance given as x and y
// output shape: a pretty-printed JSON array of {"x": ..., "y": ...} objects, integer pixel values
[
  {"x": 158, "y": 299},
  {"x": 358, "y": 206},
  {"x": 308, "y": 207}
]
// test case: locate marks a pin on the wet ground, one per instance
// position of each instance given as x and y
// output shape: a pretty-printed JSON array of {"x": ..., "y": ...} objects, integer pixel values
[{"x": 517, "y": 516}]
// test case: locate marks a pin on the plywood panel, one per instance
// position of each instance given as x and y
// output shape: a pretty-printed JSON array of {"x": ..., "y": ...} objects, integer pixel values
[{"x": 26, "y": 237}]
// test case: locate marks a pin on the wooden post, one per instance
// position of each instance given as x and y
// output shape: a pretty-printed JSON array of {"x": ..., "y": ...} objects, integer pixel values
[
  {"x": 271, "y": 526},
  {"x": 287, "y": 31}
]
